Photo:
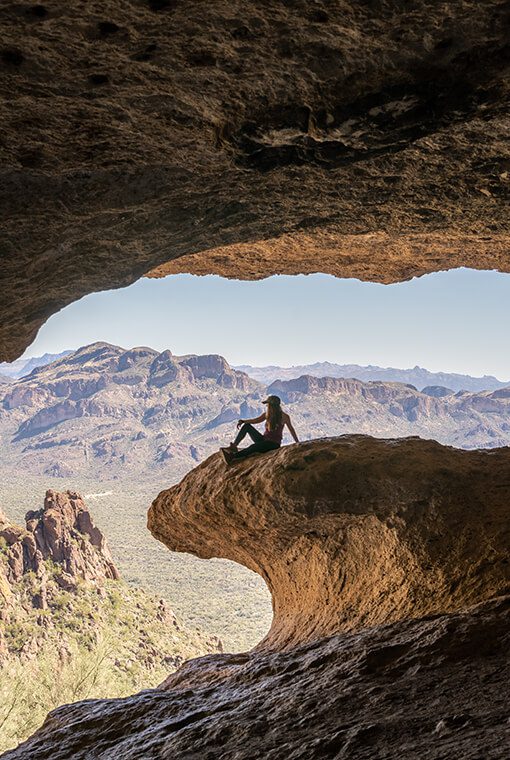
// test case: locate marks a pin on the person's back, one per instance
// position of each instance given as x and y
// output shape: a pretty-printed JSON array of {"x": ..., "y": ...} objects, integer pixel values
[
  {"x": 275, "y": 420},
  {"x": 275, "y": 435}
]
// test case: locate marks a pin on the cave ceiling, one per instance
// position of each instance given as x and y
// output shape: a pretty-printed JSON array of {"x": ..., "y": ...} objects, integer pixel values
[{"x": 361, "y": 139}]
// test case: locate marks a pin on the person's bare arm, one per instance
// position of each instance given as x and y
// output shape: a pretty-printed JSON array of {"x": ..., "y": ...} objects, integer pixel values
[
  {"x": 291, "y": 428},
  {"x": 253, "y": 421}
]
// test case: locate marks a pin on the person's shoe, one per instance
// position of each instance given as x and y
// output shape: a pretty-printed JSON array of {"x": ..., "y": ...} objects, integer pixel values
[
  {"x": 231, "y": 447},
  {"x": 228, "y": 455}
]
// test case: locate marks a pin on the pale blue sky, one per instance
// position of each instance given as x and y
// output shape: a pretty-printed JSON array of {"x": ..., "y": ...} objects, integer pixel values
[{"x": 452, "y": 321}]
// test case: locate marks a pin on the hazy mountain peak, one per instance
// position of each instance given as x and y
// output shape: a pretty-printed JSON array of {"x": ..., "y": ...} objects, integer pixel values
[
  {"x": 417, "y": 376},
  {"x": 23, "y": 367}
]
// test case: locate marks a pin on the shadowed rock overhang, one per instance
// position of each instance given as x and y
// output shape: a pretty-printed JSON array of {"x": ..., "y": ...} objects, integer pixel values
[{"x": 365, "y": 140}]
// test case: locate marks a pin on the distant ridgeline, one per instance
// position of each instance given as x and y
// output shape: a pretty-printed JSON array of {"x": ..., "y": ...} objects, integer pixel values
[
  {"x": 417, "y": 376},
  {"x": 106, "y": 412},
  {"x": 23, "y": 367}
]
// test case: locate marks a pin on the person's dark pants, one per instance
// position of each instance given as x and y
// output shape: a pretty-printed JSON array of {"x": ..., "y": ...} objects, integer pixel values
[{"x": 259, "y": 445}]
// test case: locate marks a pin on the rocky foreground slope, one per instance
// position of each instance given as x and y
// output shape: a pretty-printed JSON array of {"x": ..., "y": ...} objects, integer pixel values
[
  {"x": 434, "y": 689},
  {"x": 349, "y": 533},
  {"x": 107, "y": 412}
]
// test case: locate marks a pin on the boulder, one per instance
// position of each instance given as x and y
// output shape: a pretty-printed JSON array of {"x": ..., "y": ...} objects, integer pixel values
[{"x": 350, "y": 532}]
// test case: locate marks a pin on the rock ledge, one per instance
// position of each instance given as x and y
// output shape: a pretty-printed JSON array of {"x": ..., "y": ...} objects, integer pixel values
[{"x": 350, "y": 532}]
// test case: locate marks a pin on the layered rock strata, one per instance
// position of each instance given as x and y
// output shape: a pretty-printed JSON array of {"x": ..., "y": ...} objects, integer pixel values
[
  {"x": 350, "y": 532},
  {"x": 362, "y": 139}
]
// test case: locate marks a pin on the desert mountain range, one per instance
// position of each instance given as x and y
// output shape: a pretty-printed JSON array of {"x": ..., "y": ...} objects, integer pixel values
[
  {"x": 418, "y": 376},
  {"x": 104, "y": 411}
]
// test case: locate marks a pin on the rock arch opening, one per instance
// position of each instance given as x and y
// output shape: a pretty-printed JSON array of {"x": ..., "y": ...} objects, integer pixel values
[{"x": 138, "y": 415}]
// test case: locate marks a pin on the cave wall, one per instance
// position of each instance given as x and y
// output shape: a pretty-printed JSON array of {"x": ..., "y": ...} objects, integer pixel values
[{"x": 363, "y": 139}]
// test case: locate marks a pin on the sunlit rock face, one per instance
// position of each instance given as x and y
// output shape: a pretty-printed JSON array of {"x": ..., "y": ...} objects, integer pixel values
[
  {"x": 62, "y": 531},
  {"x": 350, "y": 532},
  {"x": 362, "y": 139}
]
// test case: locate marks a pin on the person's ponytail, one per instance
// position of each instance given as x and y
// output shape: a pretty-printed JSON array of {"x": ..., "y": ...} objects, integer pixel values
[{"x": 274, "y": 414}]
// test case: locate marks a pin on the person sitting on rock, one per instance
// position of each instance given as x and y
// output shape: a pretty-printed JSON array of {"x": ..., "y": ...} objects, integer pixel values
[{"x": 275, "y": 419}]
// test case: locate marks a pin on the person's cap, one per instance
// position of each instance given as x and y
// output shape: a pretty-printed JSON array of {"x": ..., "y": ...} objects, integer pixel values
[{"x": 272, "y": 400}]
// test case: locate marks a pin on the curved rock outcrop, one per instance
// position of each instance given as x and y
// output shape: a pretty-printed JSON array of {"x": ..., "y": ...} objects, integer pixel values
[
  {"x": 366, "y": 140},
  {"x": 350, "y": 532}
]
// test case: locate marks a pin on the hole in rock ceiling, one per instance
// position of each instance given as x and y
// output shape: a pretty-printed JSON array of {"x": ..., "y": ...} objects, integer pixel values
[{"x": 426, "y": 357}]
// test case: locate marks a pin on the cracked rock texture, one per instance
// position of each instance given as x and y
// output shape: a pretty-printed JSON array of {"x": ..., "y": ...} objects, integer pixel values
[
  {"x": 363, "y": 139},
  {"x": 350, "y": 532},
  {"x": 430, "y": 689}
]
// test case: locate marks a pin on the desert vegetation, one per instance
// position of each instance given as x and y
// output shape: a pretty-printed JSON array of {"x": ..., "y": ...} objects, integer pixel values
[
  {"x": 84, "y": 645},
  {"x": 216, "y": 596},
  {"x": 70, "y": 627}
]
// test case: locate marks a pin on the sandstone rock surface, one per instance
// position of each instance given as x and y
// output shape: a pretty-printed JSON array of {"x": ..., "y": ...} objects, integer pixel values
[
  {"x": 350, "y": 532},
  {"x": 364, "y": 139},
  {"x": 416, "y": 690},
  {"x": 370, "y": 548}
]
